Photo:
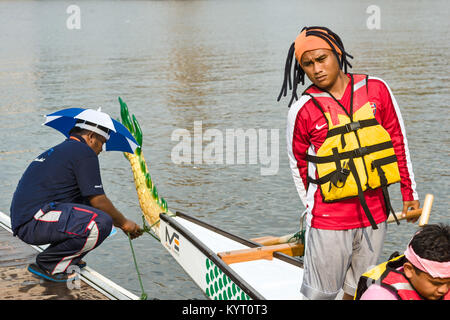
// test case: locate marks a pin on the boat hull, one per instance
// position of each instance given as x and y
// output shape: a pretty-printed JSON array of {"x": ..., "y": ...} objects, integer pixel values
[{"x": 195, "y": 245}]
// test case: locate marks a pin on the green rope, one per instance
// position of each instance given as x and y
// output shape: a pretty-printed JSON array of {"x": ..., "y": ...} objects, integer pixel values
[
  {"x": 298, "y": 236},
  {"x": 143, "y": 294},
  {"x": 148, "y": 229}
]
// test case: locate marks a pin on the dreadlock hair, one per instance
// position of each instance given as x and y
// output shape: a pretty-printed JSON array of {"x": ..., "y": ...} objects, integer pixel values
[{"x": 298, "y": 75}]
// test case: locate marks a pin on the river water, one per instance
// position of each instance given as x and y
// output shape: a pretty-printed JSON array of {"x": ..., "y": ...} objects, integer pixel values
[{"x": 218, "y": 64}]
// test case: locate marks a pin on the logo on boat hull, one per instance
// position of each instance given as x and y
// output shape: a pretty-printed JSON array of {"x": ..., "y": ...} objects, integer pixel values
[{"x": 173, "y": 241}]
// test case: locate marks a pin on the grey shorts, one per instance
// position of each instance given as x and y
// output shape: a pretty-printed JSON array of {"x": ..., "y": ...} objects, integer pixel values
[{"x": 335, "y": 259}]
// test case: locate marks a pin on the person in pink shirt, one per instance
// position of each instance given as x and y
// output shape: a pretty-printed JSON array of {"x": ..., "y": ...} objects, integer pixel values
[{"x": 422, "y": 273}]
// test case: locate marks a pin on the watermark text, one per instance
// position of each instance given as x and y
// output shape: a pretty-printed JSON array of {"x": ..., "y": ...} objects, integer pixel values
[{"x": 235, "y": 146}]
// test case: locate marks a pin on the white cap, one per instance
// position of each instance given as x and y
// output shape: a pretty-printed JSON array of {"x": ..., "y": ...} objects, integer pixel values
[{"x": 93, "y": 127}]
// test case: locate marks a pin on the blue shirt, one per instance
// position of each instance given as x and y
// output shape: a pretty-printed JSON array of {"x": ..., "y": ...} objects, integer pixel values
[{"x": 68, "y": 172}]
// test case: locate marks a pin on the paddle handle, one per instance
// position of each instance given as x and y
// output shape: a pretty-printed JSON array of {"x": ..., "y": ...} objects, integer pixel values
[
  {"x": 426, "y": 210},
  {"x": 409, "y": 215},
  {"x": 423, "y": 213}
]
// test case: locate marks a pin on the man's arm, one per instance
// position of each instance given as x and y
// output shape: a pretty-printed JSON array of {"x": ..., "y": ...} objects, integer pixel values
[
  {"x": 297, "y": 144},
  {"x": 102, "y": 202},
  {"x": 392, "y": 121}
]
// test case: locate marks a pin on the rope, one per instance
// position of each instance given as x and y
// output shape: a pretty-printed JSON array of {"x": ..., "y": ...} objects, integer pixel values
[
  {"x": 143, "y": 294},
  {"x": 298, "y": 236},
  {"x": 146, "y": 229}
]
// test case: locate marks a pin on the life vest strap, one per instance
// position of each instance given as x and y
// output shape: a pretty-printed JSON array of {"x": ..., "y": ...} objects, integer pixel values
[
  {"x": 346, "y": 172},
  {"x": 337, "y": 174},
  {"x": 336, "y": 177},
  {"x": 361, "y": 197},
  {"x": 387, "y": 201},
  {"x": 340, "y": 175},
  {"x": 359, "y": 152},
  {"x": 383, "y": 161},
  {"x": 352, "y": 126},
  {"x": 328, "y": 177},
  {"x": 376, "y": 164}
]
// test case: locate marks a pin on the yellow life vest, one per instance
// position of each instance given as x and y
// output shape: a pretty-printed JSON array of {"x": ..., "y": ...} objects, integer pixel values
[
  {"x": 378, "y": 273},
  {"x": 357, "y": 153}
]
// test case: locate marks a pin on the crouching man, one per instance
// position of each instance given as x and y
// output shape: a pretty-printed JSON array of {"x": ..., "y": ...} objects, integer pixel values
[{"x": 60, "y": 201}]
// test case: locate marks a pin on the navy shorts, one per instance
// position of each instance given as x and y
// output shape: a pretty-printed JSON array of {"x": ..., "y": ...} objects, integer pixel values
[{"x": 71, "y": 230}]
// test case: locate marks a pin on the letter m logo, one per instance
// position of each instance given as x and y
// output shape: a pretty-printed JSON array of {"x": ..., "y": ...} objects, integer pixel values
[{"x": 174, "y": 238}]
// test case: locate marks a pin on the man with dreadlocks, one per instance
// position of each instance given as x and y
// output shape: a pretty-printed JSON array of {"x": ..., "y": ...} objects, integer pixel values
[{"x": 346, "y": 144}]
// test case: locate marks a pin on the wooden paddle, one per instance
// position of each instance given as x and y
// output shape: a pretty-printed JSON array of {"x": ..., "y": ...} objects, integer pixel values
[{"x": 423, "y": 213}]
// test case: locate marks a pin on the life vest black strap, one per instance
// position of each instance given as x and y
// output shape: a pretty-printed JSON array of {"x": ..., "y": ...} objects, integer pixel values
[
  {"x": 383, "y": 161},
  {"x": 352, "y": 126},
  {"x": 384, "y": 183},
  {"x": 341, "y": 175},
  {"x": 359, "y": 152},
  {"x": 388, "y": 204},
  {"x": 336, "y": 177},
  {"x": 322, "y": 180},
  {"x": 375, "y": 164},
  {"x": 361, "y": 197}
]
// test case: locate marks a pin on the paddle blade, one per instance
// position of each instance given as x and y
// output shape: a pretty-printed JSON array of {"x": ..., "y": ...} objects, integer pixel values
[{"x": 426, "y": 210}]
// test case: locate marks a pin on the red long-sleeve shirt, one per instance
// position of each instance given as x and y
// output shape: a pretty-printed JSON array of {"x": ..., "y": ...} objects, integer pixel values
[{"x": 306, "y": 131}]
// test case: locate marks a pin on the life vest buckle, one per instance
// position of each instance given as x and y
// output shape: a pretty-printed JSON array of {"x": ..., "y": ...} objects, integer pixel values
[
  {"x": 352, "y": 126},
  {"x": 360, "y": 152},
  {"x": 345, "y": 171}
]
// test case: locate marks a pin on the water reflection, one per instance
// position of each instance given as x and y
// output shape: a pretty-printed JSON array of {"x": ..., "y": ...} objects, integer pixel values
[{"x": 219, "y": 62}]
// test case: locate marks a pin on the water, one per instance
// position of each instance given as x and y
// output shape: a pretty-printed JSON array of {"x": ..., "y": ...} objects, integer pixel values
[{"x": 219, "y": 62}]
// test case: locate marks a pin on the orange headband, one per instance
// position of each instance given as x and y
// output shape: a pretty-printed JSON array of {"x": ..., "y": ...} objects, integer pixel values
[{"x": 305, "y": 43}]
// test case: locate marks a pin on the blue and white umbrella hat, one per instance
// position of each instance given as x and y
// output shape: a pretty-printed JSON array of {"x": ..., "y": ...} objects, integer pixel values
[{"x": 120, "y": 139}]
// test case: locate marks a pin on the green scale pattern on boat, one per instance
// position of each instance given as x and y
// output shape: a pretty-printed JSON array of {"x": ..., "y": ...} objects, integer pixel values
[{"x": 220, "y": 286}]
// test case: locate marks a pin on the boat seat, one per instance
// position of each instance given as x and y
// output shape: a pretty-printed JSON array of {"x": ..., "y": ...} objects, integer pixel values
[{"x": 263, "y": 252}]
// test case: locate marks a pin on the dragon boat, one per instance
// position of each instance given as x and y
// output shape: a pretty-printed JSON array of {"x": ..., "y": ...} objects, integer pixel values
[{"x": 225, "y": 266}]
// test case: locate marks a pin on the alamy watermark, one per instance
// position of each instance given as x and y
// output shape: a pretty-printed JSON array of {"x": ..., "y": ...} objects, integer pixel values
[
  {"x": 374, "y": 20},
  {"x": 74, "y": 283},
  {"x": 73, "y": 22},
  {"x": 234, "y": 146}
]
